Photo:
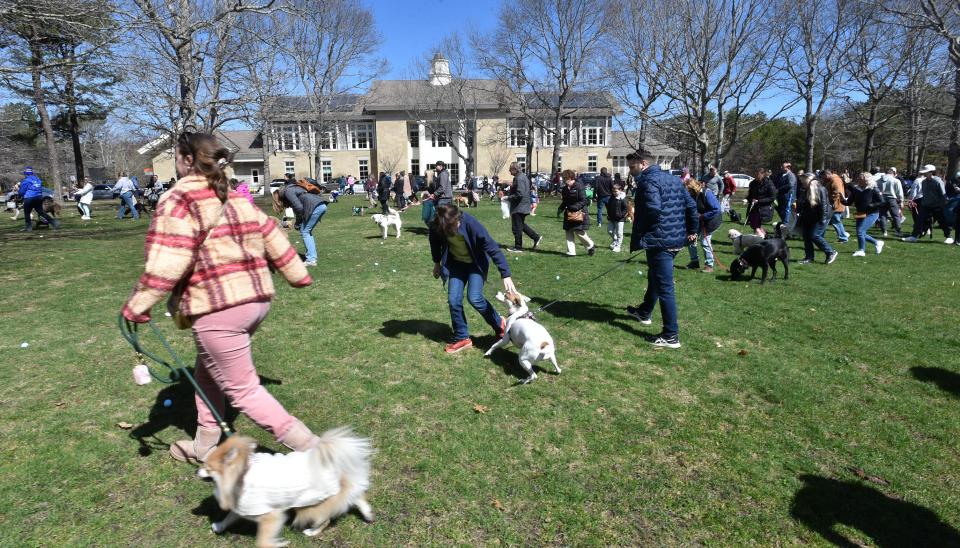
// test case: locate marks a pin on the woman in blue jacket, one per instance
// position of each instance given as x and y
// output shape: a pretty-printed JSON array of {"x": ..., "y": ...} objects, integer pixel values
[
  {"x": 708, "y": 207},
  {"x": 31, "y": 192},
  {"x": 462, "y": 250}
]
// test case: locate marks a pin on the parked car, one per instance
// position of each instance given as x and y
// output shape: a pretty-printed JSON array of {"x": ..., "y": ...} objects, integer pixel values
[
  {"x": 587, "y": 178},
  {"x": 741, "y": 179},
  {"x": 103, "y": 192},
  {"x": 676, "y": 172},
  {"x": 277, "y": 184}
]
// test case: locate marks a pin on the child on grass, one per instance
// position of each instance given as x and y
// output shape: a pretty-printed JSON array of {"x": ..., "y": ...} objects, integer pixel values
[{"x": 616, "y": 213}]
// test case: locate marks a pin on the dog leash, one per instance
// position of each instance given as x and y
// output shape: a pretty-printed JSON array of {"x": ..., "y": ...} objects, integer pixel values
[
  {"x": 591, "y": 280},
  {"x": 178, "y": 370}
]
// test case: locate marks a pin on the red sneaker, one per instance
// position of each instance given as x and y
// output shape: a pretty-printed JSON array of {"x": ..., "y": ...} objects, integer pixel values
[
  {"x": 503, "y": 327},
  {"x": 453, "y": 348}
]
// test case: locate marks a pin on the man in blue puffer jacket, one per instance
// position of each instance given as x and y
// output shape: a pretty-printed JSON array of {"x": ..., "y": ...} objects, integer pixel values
[
  {"x": 665, "y": 220},
  {"x": 31, "y": 191}
]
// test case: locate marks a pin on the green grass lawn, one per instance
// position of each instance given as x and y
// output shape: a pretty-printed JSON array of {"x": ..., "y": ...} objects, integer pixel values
[{"x": 819, "y": 409}]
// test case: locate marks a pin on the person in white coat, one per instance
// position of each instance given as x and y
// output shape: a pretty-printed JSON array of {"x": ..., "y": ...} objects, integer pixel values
[{"x": 84, "y": 194}]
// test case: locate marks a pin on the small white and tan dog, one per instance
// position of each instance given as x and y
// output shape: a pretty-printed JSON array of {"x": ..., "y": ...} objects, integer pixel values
[
  {"x": 385, "y": 221},
  {"x": 318, "y": 485},
  {"x": 533, "y": 340},
  {"x": 742, "y": 241}
]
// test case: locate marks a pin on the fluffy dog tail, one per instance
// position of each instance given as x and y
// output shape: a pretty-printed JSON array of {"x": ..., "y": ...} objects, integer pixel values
[{"x": 348, "y": 454}]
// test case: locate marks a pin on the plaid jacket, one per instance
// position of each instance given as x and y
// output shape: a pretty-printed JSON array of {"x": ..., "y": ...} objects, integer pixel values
[{"x": 231, "y": 263}]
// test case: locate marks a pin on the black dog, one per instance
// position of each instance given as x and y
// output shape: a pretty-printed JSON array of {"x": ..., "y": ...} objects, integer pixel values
[
  {"x": 762, "y": 255},
  {"x": 734, "y": 216}
]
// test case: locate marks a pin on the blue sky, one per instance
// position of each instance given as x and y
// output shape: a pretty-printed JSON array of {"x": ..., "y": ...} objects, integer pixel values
[{"x": 411, "y": 29}]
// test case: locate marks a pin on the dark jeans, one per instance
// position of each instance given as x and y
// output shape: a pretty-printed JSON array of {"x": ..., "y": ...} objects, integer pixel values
[
  {"x": 813, "y": 236},
  {"x": 520, "y": 227},
  {"x": 784, "y": 205},
  {"x": 468, "y": 276},
  {"x": 127, "y": 201},
  {"x": 892, "y": 208},
  {"x": 601, "y": 203},
  {"x": 34, "y": 204},
  {"x": 383, "y": 206},
  {"x": 401, "y": 200},
  {"x": 926, "y": 217},
  {"x": 660, "y": 288}
]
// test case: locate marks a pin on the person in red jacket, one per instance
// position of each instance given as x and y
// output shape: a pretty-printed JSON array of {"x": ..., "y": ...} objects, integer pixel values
[{"x": 729, "y": 187}]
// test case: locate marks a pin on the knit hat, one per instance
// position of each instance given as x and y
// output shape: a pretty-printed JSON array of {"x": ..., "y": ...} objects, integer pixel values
[{"x": 28, "y": 170}]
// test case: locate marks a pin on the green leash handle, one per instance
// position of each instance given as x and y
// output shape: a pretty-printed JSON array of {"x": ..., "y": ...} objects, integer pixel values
[{"x": 177, "y": 370}]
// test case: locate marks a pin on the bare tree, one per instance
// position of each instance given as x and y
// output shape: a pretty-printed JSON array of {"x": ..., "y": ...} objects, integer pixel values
[
  {"x": 182, "y": 61},
  {"x": 546, "y": 51},
  {"x": 329, "y": 47},
  {"x": 815, "y": 40},
  {"x": 641, "y": 41},
  {"x": 941, "y": 17}
]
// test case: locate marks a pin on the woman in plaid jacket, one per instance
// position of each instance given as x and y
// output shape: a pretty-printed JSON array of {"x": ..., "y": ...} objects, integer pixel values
[{"x": 214, "y": 249}]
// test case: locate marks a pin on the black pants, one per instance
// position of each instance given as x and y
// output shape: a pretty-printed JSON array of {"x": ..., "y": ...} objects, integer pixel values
[
  {"x": 520, "y": 227},
  {"x": 34, "y": 204},
  {"x": 926, "y": 219},
  {"x": 383, "y": 206},
  {"x": 892, "y": 208},
  {"x": 401, "y": 200}
]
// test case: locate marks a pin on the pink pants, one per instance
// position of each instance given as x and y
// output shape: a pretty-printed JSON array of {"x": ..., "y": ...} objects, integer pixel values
[{"x": 225, "y": 369}]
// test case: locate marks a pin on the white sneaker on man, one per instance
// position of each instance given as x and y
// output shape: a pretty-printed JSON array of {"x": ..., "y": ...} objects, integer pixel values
[
  {"x": 910, "y": 239},
  {"x": 879, "y": 246},
  {"x": 948, "y": 241},
  {"x": 859, "y": 253}
]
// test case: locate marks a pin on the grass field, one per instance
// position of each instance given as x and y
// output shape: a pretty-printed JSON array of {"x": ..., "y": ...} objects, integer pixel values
[{"x": 824, "y": 409}]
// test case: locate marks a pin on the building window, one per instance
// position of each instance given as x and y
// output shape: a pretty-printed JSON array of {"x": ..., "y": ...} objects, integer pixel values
[
  {"x": 364, "y": 168},
  {"x": 413, "y": 133},
  {"x": 593, "y": 132},
  {"x": 559, "y": 162},
  {"x": 454, "y": 174},
  {"x": 328, "y": 139},
  {"x": 549, "y": 133},
  {"x": 288, "y": 167},
  {"x": 522, "y": 163},
  {"x": 415, "y": 166},
  {"x": 289, "y": 138},
  {"x": 326, "y": 168},
  {"x": 438, "y": 138},
  {"x": 620, "y": 165},
  {"x": 255, "y": 175},
  {"x": 518, "y": 133},
  {"x": 592, "y": 162},
  {"x": 361, "y": 136}
]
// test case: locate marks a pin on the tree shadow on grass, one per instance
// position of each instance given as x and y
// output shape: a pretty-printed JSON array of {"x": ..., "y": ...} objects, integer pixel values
[
  {"x": 182, "y": 415},
  {"x": 946, "y": 380},
  {"x": 588, "y": 312},
  {"x": 823, "y": 503},
  {"x": 432, "y": 330}
]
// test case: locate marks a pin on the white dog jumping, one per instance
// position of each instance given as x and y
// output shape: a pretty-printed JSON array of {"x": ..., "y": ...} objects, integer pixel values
[
  {"x": 392, "y": 218},
  {"x": 525, "y": 333}
]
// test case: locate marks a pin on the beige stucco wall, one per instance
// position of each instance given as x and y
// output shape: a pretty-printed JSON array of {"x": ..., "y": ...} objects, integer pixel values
[{"x": 393, "y": 146}]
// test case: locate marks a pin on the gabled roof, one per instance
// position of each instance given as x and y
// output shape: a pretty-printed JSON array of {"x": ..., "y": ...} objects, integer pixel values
[
  {"x": 624, "y": 143},
  {"x": 576, "y": 100},
  {"x": 341, "y": 103},
  {"x": 244, "y": 143},
  {"x": 421, "y": 94}
]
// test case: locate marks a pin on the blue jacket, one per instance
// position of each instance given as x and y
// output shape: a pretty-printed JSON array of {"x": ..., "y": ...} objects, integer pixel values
[
  {"x": 31, "y": 187},
  {"x": 664, "y": 212},
  {"x": 480, "y": 243}
]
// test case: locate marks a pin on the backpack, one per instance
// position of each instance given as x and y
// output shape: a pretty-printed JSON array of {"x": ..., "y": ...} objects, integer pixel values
[{"x": 309, "y": 187}]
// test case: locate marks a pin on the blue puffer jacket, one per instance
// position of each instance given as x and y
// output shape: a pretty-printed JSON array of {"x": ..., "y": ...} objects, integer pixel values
[
  {"x": 31, "y": 187},
  {"x": 665, "y": 213}
]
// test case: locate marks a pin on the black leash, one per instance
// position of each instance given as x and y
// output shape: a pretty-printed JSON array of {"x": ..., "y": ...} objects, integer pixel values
[{"x": 591, "y": 280}]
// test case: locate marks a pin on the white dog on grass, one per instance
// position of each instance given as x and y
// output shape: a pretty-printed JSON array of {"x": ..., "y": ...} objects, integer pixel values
[
  {"x": 385, "y": 221},
  {"x": 525, "y": 333}
]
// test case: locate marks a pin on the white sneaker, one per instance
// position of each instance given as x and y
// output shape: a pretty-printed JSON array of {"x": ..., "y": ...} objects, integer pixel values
[
  {"x": 616, "y": 249},
  {"x": 948, "y": 241},
  {"x": 879, "y": 246},
  {"x": 910, "y": 239},
  {"x": 859, "y": 253}
]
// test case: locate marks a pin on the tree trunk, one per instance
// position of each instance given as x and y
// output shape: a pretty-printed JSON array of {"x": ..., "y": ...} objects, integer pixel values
[
  {"x": 810, "y": 139},
  {"x": 555, "y": 161},
  {"x": 73, "y": 121},
  {"x": 36, "y": 61},
  {"x": 953, "y": 152},
  {"x": 530, "y": 137},
  {"x": 870, "y": 137}
]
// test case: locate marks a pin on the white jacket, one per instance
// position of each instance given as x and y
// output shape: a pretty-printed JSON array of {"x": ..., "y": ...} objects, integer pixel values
[
  {"x": 278, "y": 482},
  {"x": 85, "y": 194}
]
